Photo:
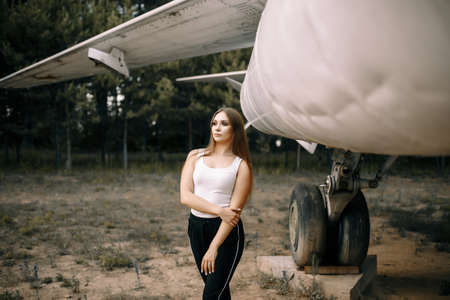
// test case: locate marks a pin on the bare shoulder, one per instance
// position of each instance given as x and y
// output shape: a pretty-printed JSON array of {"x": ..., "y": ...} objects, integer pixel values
[
  {"x": 244, "y": 176},
  {"x": 194, "y": 153},
  {"x": 244, "y": 167}
]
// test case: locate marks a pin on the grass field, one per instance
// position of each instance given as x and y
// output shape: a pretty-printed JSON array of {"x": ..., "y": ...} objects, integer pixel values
[{"x": 102, "y": 233}]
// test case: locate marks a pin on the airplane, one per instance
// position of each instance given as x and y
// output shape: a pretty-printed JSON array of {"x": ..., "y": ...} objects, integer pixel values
[{"x": 358, "y": 76}]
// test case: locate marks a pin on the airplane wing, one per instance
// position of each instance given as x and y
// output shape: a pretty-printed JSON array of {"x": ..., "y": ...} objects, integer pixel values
[
  {"x": 235, "y": 79},
  {"x": 179, "y": 29}
]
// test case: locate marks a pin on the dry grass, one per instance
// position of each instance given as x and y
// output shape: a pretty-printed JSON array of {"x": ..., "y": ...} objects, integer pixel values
[
  {"x": 7, "y": 295},
  {"x": 87, "y": 227},
  {"x": 80, "y": 216}
]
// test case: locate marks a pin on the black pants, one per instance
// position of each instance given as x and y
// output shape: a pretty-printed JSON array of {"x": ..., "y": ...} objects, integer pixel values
[{"x": 201, "y": 232}]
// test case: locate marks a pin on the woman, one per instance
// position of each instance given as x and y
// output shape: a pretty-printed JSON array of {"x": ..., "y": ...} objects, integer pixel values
[{"x": 215, "y": 184}]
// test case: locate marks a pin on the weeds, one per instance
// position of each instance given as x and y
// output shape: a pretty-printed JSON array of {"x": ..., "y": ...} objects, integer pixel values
[
  {"x": 183, "y": 261},
  {"x": 109, "y": 258},
  {"x": 129, "y": 297},
  {"x": 36, "y": 282},
  {"x": 47, "y": 280},
  {"x": 109, "y": 225},
  {"x": 75, "y": 285},
  {"x": 316, "y": 293},
  {"x": 6, "y": 220},
  {"x": 280, "y": 285},
  {"x": 51, "y": 261},
  {"x": 17, "y": 255},
  {"x": 59, "y": 277},
  {"x": 136, "y": 270},
  {"x": 26, "y": 272},
  {"x": 6, "y": 295},
  {"x": 29, "y": 230},
  {"x": 437, "y": 231},
  {"x": 270, "y": 282},
  {"x": 110, "y": 219},
  {"x": 72, "y": 283}
]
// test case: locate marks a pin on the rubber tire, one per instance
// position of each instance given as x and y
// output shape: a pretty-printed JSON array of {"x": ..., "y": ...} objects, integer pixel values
[
  {"x": 348, "y": 240},
  {"x": 307, "y": 224}
]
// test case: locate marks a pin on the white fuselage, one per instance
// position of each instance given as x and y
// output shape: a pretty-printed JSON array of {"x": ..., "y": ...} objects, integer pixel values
[{"x": 367, "y": 76}]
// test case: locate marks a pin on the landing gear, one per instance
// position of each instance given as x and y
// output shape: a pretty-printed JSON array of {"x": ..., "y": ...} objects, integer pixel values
[
  {"x": 332, "y": 222},
  {"x": 348, "y": 239},
  {"x": 307, "y": 224}
]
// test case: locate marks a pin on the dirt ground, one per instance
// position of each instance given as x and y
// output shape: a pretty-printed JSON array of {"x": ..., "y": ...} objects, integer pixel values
[{"x": 82, "y": 231}]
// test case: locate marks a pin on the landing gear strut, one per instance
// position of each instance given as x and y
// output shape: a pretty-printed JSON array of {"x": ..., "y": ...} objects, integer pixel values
[{"x": 331, "y": 222}]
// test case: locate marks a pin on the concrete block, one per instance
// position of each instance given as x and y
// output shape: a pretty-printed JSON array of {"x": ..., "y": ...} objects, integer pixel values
[{"x": 341, "y": 287}]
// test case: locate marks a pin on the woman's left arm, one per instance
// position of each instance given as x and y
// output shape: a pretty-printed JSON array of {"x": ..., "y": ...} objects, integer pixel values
[{"x": 239, "y": 197}]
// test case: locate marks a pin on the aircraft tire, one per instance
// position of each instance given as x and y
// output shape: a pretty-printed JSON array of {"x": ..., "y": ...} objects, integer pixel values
[
  {"x": 307, "y": 224},
  {"x": 348, "y": 241}
]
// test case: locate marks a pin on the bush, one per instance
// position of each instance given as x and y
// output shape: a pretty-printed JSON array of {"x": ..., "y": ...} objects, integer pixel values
[
  {"x": 109, "y": 259},
  {"x": 6, "y": 221}
]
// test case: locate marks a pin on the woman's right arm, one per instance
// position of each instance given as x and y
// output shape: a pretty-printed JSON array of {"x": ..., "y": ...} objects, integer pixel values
[{"x": 188, "y": 198}]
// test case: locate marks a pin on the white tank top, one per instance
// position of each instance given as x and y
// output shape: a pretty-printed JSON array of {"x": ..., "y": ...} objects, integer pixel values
[{"x": 214, "y": 184}]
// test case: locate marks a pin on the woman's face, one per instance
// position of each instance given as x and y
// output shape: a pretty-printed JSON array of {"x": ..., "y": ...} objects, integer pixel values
[{"x": 221, "y": 129}]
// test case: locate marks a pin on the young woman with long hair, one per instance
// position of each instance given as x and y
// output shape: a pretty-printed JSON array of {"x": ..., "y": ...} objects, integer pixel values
[{"x": 215, "y": 183}]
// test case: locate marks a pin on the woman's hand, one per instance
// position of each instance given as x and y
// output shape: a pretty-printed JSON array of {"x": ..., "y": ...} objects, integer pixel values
[
  {"x": 208, "y": 261},
  {"x": 230, "y": 216}
]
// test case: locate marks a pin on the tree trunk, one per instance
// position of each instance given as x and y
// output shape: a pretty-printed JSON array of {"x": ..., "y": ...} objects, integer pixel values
[
  {"x": 102, "y": 109},
  {"x": 6, "y": 149},
  {"x": 27, "y": 138},
  {"x": 57, "y": 148},
  {"x": 144, "y": 147},
  {"x": 117, "y": 130},
  {"x": 56, "y": 97},
  {"x": 189, "y": 133},
  {"x": 18, "y": 149},
  {"x": 125, "y": 136},
  {"x": 440, "y": 163},
  {"x": 68, "y": 138}
]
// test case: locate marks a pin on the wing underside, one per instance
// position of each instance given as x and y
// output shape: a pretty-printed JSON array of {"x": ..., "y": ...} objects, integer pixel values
[{"x": 179, "y": 29}]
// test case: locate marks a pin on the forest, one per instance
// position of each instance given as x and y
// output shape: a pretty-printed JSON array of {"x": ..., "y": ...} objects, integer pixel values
[
  {"x": 90, "y": 171},
  {"x": 108, "y": 120}
]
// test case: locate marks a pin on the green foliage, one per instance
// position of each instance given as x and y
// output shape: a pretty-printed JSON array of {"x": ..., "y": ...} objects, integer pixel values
[
  {"x": 162, "y": 115},
  {"x": 92, "y": 115}
]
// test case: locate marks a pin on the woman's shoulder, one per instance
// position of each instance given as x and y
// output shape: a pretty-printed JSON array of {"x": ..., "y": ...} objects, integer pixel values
[
  {"x": 196, "y": 153},
  {"x": 244, "y": 166}
]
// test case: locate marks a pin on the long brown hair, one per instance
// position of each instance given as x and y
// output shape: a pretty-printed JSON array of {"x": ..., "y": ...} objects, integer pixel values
[{"x": 240, "y": 142}]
